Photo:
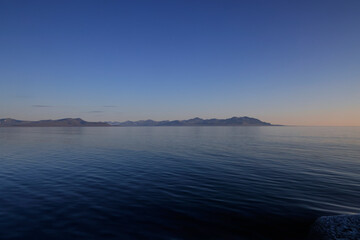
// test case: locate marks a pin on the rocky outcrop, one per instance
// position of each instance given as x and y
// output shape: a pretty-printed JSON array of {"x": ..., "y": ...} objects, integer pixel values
[{"x": 342, "y": 227}]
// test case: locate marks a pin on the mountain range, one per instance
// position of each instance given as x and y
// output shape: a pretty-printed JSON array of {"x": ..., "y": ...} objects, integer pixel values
[
  {"x": 234, "y": 121},
  {"x": 65, "y": 122},
  {"x": 78, "y": 122}
]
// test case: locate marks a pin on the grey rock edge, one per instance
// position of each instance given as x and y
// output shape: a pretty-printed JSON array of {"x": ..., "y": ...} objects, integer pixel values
[{"x": 342, "y": 227}]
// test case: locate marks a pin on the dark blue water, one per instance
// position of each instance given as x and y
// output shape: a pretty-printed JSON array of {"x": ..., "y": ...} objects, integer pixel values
[{"x": 175, "y": 182}]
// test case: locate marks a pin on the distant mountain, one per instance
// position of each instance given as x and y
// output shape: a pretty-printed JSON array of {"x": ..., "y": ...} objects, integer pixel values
[
  {"x": 78, "y": 122},
  {"x": 234, "y": 121},
  {"x": 66, "y": 122}
]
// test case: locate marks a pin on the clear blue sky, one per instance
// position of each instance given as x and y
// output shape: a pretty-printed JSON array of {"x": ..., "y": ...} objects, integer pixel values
[{"x": 286, "y": 62}]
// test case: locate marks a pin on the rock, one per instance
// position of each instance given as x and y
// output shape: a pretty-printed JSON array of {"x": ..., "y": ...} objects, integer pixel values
[{"x": 342, "y": 227}]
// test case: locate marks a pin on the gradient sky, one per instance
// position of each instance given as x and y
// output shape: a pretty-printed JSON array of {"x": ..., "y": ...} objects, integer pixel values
[{"x": 285, "y": 62}]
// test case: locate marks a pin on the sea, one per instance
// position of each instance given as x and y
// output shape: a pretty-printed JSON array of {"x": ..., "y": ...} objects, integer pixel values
[{"x": 175, "y": 182}]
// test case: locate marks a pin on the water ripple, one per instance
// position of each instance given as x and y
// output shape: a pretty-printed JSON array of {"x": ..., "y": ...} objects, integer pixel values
[{"x": 175, "y": 183}]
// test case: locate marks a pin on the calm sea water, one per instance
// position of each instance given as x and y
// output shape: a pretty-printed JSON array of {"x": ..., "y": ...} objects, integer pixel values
[{"x": 175, "y": 182}]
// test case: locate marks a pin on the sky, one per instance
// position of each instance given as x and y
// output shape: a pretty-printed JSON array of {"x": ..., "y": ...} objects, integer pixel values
[{"x": 285, "y": 62}]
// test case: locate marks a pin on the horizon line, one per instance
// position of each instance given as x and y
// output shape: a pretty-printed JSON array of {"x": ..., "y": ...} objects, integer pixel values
[{"x": 274, "y": 125}]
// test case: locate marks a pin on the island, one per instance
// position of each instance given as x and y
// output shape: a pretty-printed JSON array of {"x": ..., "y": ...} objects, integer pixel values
[
  {"x": 65, "y": 122},
  {"x": 234, "y": 121},
  {"x": 78, "y": 122}
]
